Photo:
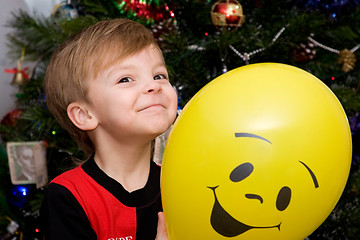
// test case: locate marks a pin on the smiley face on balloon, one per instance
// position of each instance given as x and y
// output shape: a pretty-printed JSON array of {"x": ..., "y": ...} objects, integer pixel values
[
  {"x": 228, "y": 226},
  {"x": 261, "y": 152}
]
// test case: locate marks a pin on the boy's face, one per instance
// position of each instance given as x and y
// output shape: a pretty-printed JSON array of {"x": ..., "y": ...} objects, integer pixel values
[{"x": 134, "y": 97}]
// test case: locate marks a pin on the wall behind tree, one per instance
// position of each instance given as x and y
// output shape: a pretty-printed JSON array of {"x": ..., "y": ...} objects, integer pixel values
[{"x": 8, "y": 91}]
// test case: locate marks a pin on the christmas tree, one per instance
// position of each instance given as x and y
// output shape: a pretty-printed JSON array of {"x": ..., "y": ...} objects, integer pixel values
[{"x": 321, "y": 37}]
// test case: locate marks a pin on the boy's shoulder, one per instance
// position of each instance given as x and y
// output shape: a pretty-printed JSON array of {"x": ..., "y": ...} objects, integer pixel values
[
  {"x": 79, "y": 183},
  {"x": 70, "y": 177}
]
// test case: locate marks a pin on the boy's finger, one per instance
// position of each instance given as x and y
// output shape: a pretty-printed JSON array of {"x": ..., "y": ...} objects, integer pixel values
[{"x": 161, "y": 229}]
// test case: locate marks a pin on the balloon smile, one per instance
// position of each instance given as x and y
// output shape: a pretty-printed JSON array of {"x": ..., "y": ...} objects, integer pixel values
[{"x": 224, "y": 224}]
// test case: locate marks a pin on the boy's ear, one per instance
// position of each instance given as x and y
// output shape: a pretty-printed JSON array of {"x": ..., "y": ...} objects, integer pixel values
[{"x": 81, "y": 117}]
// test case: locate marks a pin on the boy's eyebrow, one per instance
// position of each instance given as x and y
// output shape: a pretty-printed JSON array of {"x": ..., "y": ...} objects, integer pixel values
[
  {"x": 110, "y": 71},
  {"x": 128, "y": 67}
]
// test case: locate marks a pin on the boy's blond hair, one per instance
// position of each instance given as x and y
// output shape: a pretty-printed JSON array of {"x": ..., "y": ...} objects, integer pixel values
[{"x": 83, "y": 56}]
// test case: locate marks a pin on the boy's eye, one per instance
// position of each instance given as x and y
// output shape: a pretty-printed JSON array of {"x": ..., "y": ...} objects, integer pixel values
[
  {"x": 159, "y": 76},
  {"x": 125, "y": 80}
]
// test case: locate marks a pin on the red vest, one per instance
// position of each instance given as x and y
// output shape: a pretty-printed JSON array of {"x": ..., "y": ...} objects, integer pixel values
[{"x": 110, "y": 219}]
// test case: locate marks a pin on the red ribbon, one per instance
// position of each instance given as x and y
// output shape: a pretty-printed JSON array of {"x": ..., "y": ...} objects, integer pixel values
[{"x": 15, "y": 70}]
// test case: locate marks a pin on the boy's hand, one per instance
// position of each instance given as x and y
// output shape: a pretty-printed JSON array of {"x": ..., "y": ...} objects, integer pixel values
[{"x": 161, "y": 229}]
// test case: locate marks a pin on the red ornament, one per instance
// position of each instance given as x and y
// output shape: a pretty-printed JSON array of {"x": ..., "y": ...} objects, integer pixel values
[
  {"x": 10, "y": 118},
  {"x": 227, "y": 14},
  {"x": 148, "y": 12}
]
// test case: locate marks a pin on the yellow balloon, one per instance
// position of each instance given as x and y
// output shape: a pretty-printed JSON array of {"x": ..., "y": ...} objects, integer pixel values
[{"x": 261, "y": 152}]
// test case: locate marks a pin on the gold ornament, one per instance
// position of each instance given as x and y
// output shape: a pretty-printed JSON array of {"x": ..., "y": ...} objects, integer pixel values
[
  {"x": 20, "y": 75},
  {"x": 227, "y": 14},
  {"x": 19, "y": 79},
  {"x": 347, "y": 59}
]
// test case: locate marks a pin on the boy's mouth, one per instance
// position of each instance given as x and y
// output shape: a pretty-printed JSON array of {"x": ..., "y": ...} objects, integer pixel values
[{"x": 152, "y": 107}]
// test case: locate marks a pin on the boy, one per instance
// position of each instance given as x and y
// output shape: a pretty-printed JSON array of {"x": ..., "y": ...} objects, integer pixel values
[{"x": 108, "y": 87}]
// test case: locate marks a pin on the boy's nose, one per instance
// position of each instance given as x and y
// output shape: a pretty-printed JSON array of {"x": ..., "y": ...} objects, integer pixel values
[{"x": 154, "y": 87}]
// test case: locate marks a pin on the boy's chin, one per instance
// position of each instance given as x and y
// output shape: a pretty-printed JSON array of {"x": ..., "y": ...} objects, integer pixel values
[
  {"x": 159, "y": 127},
  {"x": 159, "y": 132}
]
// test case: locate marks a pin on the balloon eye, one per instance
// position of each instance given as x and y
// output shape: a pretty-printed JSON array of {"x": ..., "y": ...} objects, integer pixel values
[
  {"x": 283, "y": 198},
  {"x": 241, "y": 172}
]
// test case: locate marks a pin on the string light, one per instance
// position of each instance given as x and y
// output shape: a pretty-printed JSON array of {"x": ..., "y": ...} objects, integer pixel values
[
  {"x": 346, "y": 57},
  {"x": 246, "y": 56},
  {"x": 316, "y": 43}
]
